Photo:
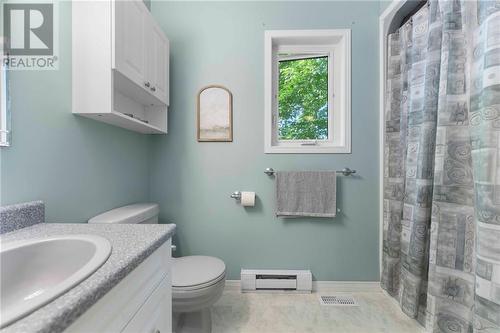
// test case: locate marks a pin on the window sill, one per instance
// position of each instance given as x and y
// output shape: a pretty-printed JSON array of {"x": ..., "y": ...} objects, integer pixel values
[{"x": 308, "y": 150}]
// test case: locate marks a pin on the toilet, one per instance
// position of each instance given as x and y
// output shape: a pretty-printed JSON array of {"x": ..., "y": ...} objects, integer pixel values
[{"x": 197, "y": 281}]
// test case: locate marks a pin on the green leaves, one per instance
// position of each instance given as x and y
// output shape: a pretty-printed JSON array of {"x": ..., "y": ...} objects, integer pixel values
[{"x": 303, "y": 99}]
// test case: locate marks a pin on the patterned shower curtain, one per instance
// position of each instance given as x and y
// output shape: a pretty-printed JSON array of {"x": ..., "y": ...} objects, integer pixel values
[{"x": 441, "y": 244}]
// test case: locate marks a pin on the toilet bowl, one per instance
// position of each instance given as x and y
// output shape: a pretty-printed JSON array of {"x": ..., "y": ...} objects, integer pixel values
[{"x": 197, "y": 281}]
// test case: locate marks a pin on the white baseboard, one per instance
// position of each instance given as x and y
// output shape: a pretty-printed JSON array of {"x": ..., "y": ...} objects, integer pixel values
[
  {"x": 232, "y": 285},
  {"x": 326, "y": 286},
  {"x": 346, "y": 286}
]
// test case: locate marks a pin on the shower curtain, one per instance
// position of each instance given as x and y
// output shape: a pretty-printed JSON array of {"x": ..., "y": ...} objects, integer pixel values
[{"x": 441, "y": 232}]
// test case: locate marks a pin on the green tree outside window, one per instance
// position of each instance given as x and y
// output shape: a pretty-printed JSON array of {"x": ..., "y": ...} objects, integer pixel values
[{"x": 303, "y": 99}]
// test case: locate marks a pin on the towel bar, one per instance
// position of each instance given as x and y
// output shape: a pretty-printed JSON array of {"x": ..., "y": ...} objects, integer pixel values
[
  {"x": 345, "y": 172},
  {"x": 237, "y": 196}
]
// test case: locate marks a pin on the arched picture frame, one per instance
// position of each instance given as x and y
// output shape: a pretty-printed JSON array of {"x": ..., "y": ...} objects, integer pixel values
[{"x": 214, "y": 114}]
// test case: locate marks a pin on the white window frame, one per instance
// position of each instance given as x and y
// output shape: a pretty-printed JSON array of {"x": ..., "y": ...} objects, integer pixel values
[
  {"x": 4, "y": 116},
  {"x": 334, "y": 43}
]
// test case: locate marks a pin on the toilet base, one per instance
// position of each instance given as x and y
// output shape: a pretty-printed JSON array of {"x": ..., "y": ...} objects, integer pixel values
[{"x": 192, "y": 322}]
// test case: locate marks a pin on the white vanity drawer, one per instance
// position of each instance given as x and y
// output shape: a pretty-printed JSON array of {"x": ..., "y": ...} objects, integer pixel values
[
  {"x": 154, "y": 316},
  {"x": 114, "y": 311}
]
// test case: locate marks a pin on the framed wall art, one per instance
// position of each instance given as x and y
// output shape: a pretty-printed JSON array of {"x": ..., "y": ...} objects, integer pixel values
[{"x": 215, "y": 114}]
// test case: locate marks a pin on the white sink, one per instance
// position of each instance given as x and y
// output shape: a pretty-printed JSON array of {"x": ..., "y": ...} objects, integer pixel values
[{"x": 34, "y": 272}]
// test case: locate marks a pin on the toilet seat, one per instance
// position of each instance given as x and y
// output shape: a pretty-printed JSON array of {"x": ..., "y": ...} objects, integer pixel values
[
  {"x": 196, "y": 272},
  {"x": 200, "y": 286}
]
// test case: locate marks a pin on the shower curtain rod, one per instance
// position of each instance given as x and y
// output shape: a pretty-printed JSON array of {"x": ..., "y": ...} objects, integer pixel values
[{"x": 409, "y": 18}]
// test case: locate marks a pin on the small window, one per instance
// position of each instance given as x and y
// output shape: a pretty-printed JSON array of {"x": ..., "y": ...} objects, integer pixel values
[
  {"x": 308, "y": 91},
  {"x": 5, "y": 134},
  {"x": 302, "y": 97}
]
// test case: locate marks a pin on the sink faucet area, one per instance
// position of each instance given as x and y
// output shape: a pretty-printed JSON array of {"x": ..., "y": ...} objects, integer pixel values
[
  {"x": 67, "y": 277},
  {"x": 50, "y": 266}
]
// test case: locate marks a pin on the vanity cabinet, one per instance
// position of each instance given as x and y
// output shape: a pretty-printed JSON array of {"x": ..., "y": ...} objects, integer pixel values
[
  {"x": 141, "y": 302},
  {"x": 120, "y": 65}
]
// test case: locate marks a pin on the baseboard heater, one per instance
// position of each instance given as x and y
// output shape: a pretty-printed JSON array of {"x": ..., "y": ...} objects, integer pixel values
[{"x": 276, "y": 280}]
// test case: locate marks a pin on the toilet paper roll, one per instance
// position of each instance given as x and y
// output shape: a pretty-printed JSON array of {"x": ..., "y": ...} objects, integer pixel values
[{"x": 248, "y": 199}]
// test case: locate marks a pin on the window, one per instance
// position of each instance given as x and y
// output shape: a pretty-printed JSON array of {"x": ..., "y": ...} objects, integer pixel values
[
  {"x": 307, "y": 91},
  {"x": 4, "y": 99},
  {"x": 302, "y": 97}
]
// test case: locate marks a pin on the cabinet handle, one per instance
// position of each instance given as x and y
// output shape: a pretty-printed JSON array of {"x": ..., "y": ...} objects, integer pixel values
[
  {"x": 153, "y": 89},
  {"x": 147, "y": 84}
]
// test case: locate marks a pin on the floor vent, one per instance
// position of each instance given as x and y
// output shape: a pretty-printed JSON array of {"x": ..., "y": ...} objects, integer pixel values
[{"x": 338, "y": 300}]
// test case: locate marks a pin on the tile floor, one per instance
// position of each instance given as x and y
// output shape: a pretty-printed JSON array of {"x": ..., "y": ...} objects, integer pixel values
[{"x": 277, "y": 313}]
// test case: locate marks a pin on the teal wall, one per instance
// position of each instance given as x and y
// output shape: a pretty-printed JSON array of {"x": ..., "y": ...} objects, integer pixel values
[
  {"x": 222, "y": 42},
  {"x": 79, "y": 167}
]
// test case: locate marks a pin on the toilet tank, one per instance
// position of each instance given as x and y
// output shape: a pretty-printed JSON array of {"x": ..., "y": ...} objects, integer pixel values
[{"x": 146, "y": 213}]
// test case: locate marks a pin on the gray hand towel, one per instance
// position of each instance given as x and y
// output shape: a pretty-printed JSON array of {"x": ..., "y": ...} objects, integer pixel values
[{"x": 306, "y": 193}]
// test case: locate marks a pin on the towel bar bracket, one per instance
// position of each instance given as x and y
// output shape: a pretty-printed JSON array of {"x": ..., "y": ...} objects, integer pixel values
[
  {"x": 346, "y": 171},
  {"x": 269, "y": 171}
]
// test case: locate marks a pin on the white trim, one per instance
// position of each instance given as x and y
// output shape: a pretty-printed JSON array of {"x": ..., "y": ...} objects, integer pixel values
[
  {"x": 304, "y": 56},
  {"x": 4, "y": 98},
  {"x": 325, "y": 286},
  {"x": 335, "y": 130},
  {"x": 232, "y": 285},
  {"x": 346, "y": 286},
  {"x": 338, "y": 40}
]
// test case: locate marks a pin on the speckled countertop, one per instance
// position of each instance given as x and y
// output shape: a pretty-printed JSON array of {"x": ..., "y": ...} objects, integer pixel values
[{"x": 132, "y": 244}]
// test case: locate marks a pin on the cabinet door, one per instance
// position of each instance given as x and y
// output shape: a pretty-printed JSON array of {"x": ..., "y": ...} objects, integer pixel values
[
  {"x": 158, "y": 59},
  {"x": 146, "y": 284},
  {"x": 155, "y": 316},
  {"x": 130, "y": 29}
]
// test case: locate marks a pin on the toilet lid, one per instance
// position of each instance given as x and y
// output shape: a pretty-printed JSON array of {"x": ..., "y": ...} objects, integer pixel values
[{"x": 195, "y": 270}]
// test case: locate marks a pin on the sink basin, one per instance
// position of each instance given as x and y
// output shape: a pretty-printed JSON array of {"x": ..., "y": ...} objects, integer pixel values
[{"x": 34, "y": 272}]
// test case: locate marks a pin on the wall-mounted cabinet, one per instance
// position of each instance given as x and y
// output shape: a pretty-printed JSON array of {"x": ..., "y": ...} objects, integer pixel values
[{"x": 120, "y": 65}]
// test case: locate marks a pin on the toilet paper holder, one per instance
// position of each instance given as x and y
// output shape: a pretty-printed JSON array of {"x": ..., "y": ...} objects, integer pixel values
[{"x": 236, "y": 195}]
